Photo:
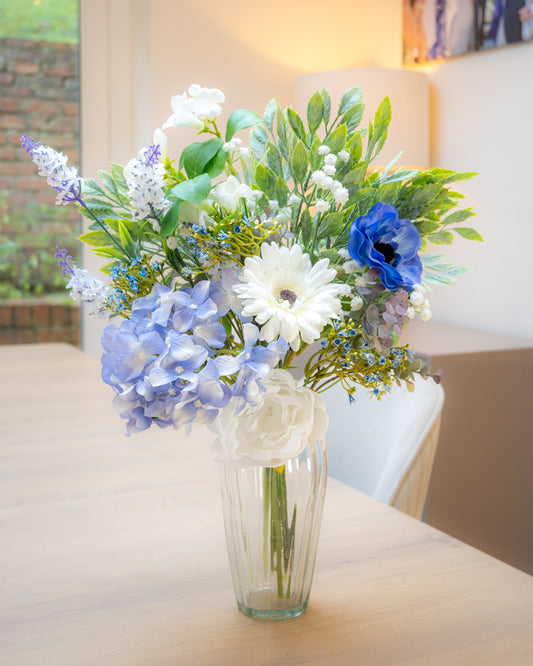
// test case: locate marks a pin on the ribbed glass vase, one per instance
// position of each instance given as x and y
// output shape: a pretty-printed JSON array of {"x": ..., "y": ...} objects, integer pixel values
[{"x": 272, "y": 518}]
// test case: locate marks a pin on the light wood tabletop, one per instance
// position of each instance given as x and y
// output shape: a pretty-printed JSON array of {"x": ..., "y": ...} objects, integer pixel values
[{"x": 112, "y": 552}]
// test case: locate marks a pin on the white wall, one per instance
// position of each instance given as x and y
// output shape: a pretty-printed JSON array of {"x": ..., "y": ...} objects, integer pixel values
[{"x": 481, "y": 121}]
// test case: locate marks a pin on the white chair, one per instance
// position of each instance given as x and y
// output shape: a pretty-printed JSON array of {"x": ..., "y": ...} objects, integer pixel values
[{"x": 386, "y": 448}]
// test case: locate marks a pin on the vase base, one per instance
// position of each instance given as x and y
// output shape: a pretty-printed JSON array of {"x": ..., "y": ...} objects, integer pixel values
[{"x": 267, "y": 606}]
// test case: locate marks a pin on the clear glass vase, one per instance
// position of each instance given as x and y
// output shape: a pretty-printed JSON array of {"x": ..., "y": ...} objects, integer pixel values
[{"x": 272, "y": 518}]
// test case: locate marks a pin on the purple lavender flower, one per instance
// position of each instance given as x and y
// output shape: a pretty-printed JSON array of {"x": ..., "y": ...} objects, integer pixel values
[{"x": 53, "y": 165}]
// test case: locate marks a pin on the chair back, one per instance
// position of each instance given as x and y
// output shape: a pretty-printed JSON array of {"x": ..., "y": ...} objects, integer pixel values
[{"x": 386, "y": 448}]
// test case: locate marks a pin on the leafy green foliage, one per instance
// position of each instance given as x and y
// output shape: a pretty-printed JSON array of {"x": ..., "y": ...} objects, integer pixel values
[
  {"x": 29, "y": 235},
  {"x": 50, "y": 20}
]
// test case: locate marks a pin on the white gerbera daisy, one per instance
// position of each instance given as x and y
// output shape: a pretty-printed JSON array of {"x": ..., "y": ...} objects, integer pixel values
[{"x": 287, "y": 295}]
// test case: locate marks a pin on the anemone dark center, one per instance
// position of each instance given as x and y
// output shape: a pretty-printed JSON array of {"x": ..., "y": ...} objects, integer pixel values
[
  {"x": 287, "y": 295},
  {"x": 386, "y": 250}
]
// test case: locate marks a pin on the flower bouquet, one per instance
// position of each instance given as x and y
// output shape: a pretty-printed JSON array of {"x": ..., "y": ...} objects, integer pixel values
[{"x": 228, "y": 266}]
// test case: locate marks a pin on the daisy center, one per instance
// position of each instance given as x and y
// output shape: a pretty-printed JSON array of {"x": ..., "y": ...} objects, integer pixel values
[{"x": 287, "y": 295}]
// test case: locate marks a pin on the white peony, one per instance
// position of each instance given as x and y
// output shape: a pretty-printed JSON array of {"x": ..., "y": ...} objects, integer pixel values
[
  {"x": 287, "y": 295},
  {"x": 272, "y": 432}
]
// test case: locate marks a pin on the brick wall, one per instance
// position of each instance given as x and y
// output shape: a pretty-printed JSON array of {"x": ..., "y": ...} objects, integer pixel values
[
  {"x": 24, "y": 321},
  {"x": 39, "y": 86}
]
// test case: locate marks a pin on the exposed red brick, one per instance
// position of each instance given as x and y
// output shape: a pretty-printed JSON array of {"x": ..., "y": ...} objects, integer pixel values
[
  {"x": 60, "y": 315},
  {"x": 2, "y": 138},
  {"x": 60, "y": 71},
  {"x": 26, "y": 67},
  {"x": 11, "y": 121},
  {"x": 25, "y": 168},
  {"x": 52, "y": 335},
  {"x": 21, "y": 315},
  {"x": 7, "y": 154},
  {"x": 32, "y": 184},
  {"x": 41, "y": 314},
  {"x": 6, "y": 316},
  {"x": 71, "y": 109},
  {"x": 8, "y": 337},
  {"x": 8, "y": 104},
  {"x": 6, "y": 79}
]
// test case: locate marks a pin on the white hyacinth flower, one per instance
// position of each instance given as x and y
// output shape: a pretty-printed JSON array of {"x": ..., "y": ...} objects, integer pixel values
[
  {"x": 144, "y": 177},
  {"x": 287, "y": 295}
]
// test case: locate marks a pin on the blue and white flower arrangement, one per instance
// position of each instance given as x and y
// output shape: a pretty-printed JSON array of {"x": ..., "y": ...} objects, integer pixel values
[{"x": 227, "y": 264}]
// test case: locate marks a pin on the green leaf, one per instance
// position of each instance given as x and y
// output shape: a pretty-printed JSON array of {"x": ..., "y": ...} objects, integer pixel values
[
  {"x": 125, "y": 236},
  {"x": 108, "y": 182},
  {"x": 426, "y": 227},
  {"x": 281, "y": 192},
  {"x": 281, "y": 131},
  {"x": 265, "y": 180},
  {"x": 300, "y": 163},
  {"x": 241, "y": 119},
  {"x": 195, "y": 190},
  {"x": 91, "y": 187},
  {"x": 270, "y": 112},
  {"x": 171, "y": 219},
  {"x": 273, "y": 159},
  {"x": 331, "y": 224},
  {"x": 109, "y": 252},
  {"x": 315, "y": 112},
  {"x": 306, "y": 227},
  {"x": 196, "y": 156},
  {"x": 315, "y": 159},
  {"x": 117, "y": 173},
  {"x": 353, "y": 117},
  {"x": 296, "y": 124},
  {"x": 350, "y": 98},
  {"x": 327, "y": 105},
  {"x": 378, "y": 134},
  {"x": 441, "y": 238},
  {"x": 355, "y": 147},
  {"x": 458, "y": 216},
  {"x": 96, "y": 239},
  {"x": 216, "y": 164},
  {"x": 468, "y": 233},
  {"x": 258, "y": 140},
  {"x": 337, "y": 139}
]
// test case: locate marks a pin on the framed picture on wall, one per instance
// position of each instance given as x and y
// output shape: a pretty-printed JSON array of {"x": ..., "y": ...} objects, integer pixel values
[{"x": 435, "y": 29}]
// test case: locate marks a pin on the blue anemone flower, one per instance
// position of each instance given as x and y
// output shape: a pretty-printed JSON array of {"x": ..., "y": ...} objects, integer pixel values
[{"x": 380, "y": 239}]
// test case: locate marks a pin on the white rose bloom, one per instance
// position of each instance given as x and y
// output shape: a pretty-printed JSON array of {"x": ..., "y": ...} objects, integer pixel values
[{"x": 276, "y": 429}]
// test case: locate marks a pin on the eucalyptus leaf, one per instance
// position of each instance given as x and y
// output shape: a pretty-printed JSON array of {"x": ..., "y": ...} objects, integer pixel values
[
  {"x": 171, "y": 219},
  {"x": 350, "y": 98},
  {"x": 296, "y": 124},
  {"x": 315, "y": 112},
  {"x": 195, "y": 157},
  {"x": 241, "y": 119},
  {"x": 194, "y": 190},
  {"x": 327, "y": 105},
  {"x": 258, "y": 139},
  {"x": 300, "y": 163},
  {"x": 265, "y": 180},
  {"x": 270, "y": 112}
]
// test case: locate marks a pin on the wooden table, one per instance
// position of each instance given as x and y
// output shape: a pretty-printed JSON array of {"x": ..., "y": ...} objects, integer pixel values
[{"x": 112, "y": 552}]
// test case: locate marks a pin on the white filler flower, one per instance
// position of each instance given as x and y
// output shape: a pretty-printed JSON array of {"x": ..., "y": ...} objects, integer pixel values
[
  {"x": 287, "y": 295},
  {"x": 275, "y": 430}
]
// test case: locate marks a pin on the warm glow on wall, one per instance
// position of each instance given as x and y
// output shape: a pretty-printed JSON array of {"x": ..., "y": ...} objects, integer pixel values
[
  {"x": 408, "y": 92},
  {"x": 309, "y": 36}
]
